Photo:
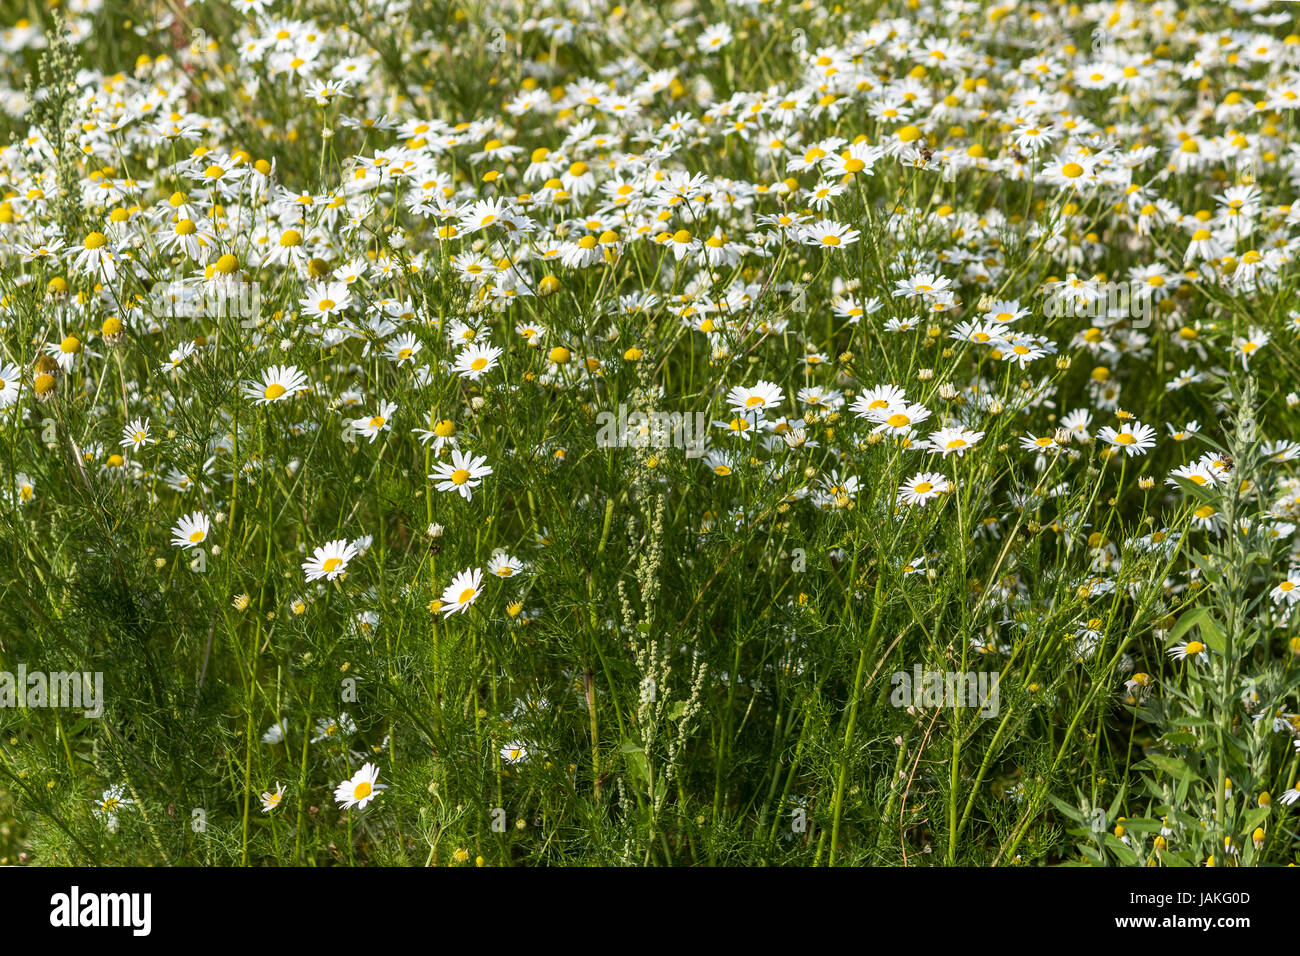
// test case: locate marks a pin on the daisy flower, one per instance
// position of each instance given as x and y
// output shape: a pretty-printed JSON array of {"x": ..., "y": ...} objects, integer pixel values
[
  {"x": 326, "y": 300},
  {"x": 948, "y": 441},
  {"x": 342, "y": 726},
  {"x": 503, "y": 565},
  {"x": 514, "y": 752},
  {"x": 476, "y": 361},
  {"x": 106, "y": 807},
  {"x": 898, "y": 418},
  {"x": 922, "y": 487},
  {"x": 191, "y": 531},
  {"x": 462, "y": 474},
  {"x": 875, "y": 399},
  {"x": 828, "y": 234},
  {"x": 24, "y": 487},
  {"x": 372, "y": 426},
  {"x": 1195, "y": 650},
  {"x": 1288, "y": 590},
  {"x": 403, "y": 349},
  {"x": 329, "y": 560},
  {"x": 463, "y": 591},
  {"x": 361, "y": 789},
  {"x": 272, "y": 798},
  {"x": 136, "y": 434},
  {"x": 759, "y": 397},
  {"x": 1133, "y": 437},
  {"x": 9, "y": 379},
  {"x": 279, "y": 382}
]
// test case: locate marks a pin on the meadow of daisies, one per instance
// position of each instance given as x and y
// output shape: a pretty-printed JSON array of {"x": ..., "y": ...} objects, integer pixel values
[{"x": 485, "y": 432}]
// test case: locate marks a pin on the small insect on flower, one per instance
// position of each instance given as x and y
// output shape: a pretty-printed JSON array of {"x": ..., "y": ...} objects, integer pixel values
[
  {"x": 330, "y": 560},
  {"x": 463, "y": 591},
  {"x": 191, "y": 530},
  {"x": 280, "y": 382},
  {"x": 361, "y": 789},
  {"x": 272, "y": 798}
]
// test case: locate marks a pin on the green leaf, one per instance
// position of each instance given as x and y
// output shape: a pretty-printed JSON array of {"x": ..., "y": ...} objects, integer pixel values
[
  {"x": 1211, "y": 632},
  {"x": 1173, "y": 766}
]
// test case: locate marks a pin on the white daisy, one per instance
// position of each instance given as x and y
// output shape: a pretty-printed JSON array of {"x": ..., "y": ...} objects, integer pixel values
[{"x": 329, "y": 560}]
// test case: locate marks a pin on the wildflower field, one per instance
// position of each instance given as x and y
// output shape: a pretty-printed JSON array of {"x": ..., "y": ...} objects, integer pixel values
[{"x": 552, "y": 433}]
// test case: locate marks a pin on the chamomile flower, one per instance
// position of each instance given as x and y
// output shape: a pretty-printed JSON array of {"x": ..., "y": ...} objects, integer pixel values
[
  {"x": 953, "y": 441},
  {"x": 271, "y": 799},
  {"x": 110, "y": 802},
  {"x": 1288, "y": 590},
  {"x": 1133, "y": 438},
  {"x": 760, "y": 397},
  {"x": 329, "y": 560},
  {"x": 502, "y": 565},
  {"x": 463, "y": 591},
  {"x": 475, "y": 361},
  {"x": 370, "y": 426},
  {"x": 10, "y": 375},
  {"x": 358, "y": 791},
  {"x": 462, "y": 474},
  {"x": 135, "y": 435},
  {"x": 923, "y": 487},
  {"x": 279, "y": 383},
  {"x": 1195, "y": 651},
  {"x": 191, "y": 531}
]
